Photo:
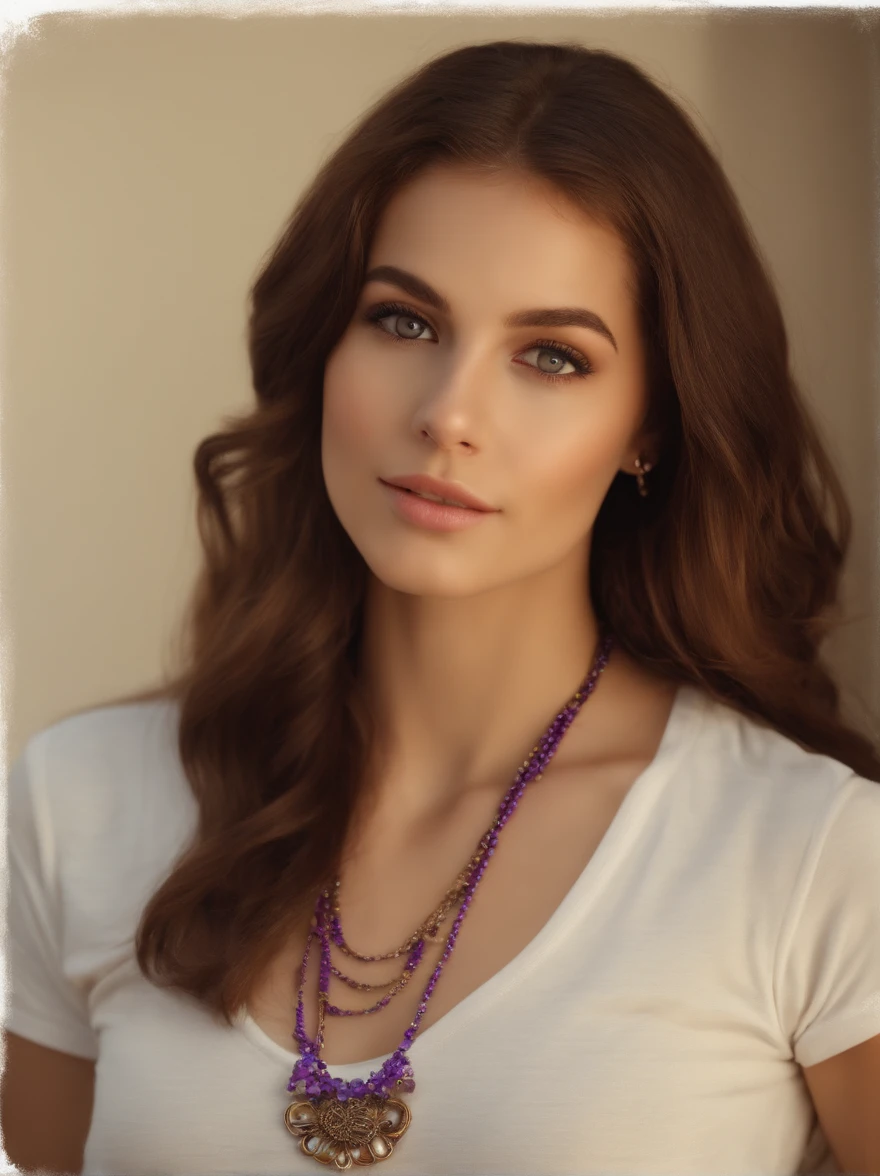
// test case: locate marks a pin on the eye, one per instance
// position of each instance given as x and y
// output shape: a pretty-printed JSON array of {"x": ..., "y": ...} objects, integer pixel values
[
  {"x": 401, "y": 315},
  {"x": 560, "y": 354},
  {"x": 413, "y": 324}
]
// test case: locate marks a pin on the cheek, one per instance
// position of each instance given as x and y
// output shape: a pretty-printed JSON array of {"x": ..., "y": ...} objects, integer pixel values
[
  {"x": 568, "y": 479},
  {"x": 579, "y": 462},
  {"x": 353, "y": 407}
]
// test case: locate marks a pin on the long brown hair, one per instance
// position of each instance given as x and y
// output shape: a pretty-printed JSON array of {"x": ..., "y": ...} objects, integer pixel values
[{"x": 726, "y": 576}]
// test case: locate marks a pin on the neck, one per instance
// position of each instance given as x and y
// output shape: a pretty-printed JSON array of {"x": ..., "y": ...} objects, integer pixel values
[{"x": 461, "y": 686}]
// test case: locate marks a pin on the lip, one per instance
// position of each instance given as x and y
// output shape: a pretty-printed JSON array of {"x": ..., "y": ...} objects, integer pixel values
[
  {"x": 424, "y": 484},
  {"x": 432, "y": 516}
]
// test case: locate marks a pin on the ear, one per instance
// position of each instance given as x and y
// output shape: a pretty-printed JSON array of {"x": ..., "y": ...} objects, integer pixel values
[{"x": 647, "y": 449}]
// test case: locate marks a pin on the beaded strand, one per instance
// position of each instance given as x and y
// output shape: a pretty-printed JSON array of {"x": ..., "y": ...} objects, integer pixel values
[{"x": 310, "y": 1077}]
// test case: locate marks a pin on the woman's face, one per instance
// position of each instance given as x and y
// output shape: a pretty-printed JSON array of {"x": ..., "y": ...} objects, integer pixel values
[{"x": 460, "y": 392}]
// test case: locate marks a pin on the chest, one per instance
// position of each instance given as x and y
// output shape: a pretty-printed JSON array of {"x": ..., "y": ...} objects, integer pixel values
[
  {"x": 390, "y": 887},
  {"x": 622, "y": 1011}
]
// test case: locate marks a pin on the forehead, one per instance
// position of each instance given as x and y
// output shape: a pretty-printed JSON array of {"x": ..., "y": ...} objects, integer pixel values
[{"x": 508, "y": 235}]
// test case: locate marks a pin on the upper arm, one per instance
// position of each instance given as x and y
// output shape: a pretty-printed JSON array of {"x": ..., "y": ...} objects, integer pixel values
[
  {"x": 845, "y": 1090},
  {"x": 829, "y": 976},
  {"x": 45, "y": 1106},
  {"x": 47, "y": 1084}
]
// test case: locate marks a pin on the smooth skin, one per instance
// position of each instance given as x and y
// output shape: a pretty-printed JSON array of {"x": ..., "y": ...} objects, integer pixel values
[
  {"x": 471, "y": 637},
  {"x": 845, "y": 1090},
  {"x": 45, "y": 1106}
]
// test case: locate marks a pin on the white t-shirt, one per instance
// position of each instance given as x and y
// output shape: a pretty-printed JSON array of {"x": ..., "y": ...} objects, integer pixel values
[{"x": 726, "y": 929}]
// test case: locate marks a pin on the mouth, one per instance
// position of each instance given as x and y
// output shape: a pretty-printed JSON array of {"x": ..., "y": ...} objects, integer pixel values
[
  {"x": 430, "y": 497},
  {"x": 443, "y": 493},
  {"x": 424, "y": 511}
]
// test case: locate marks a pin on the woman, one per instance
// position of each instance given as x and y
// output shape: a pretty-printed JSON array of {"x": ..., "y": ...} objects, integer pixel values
[{"x": 548, "y": 792}]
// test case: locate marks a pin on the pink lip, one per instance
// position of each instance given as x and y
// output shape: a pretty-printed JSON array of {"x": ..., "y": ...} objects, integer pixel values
[
  {"x": 424, "y": 484},
  {"x": 433, "y": 516}
]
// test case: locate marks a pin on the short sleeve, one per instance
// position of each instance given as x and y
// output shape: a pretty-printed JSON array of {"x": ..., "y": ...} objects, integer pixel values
[
  {"x": 42, "y": 1003},
  {"x": 828, "y": 964}
]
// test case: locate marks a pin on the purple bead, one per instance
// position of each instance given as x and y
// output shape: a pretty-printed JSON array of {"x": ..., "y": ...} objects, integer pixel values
[{"x": 326, "y": 926}]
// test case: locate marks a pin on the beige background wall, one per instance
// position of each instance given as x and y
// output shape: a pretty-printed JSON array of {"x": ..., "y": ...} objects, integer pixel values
[{"x": 147, "y": 164}]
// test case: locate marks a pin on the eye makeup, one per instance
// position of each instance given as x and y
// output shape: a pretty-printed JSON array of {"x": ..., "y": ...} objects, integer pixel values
[{"x": 580, "y": 363}]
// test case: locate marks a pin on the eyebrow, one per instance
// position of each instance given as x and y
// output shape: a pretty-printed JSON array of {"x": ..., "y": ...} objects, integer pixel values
[{"x": 560, "y": 316}]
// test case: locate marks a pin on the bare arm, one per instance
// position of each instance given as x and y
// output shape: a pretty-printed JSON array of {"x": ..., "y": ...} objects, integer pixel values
[
  {"x": 845, "y": 1090},
  {"x": 45, "y": 1106}
]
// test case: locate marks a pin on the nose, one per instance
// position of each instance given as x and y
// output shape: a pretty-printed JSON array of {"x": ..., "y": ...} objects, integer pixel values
[{"x": 454, "y": 406}]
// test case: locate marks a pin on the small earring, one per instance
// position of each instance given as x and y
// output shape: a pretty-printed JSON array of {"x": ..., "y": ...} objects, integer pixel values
[{"x": 643, "y": 468}]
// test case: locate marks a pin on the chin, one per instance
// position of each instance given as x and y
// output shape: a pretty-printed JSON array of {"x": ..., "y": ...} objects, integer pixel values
[
  {"x": 417, "y": 572},
  {"x": 424, "y": 580}
]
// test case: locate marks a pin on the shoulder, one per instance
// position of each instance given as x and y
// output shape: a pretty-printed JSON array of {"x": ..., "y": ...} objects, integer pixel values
[
  {"x": 786, "y": 843},
  {"x": 99, "y": 732},
  {"x": 104, "y": 799},
  {"x": 758, "y": 765},
  {"x": 93, "y": 767},
  {"x": 766, "y": 802}
]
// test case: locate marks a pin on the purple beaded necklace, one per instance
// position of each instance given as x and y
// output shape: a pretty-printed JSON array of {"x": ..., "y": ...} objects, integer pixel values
[{"x": 358, "y": 1122}]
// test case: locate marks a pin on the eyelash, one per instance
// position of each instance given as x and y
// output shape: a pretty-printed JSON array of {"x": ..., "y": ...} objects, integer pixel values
[{"x": 582, "y": 366}]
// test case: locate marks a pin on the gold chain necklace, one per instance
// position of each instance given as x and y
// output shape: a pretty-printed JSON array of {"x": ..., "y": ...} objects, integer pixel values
[{"x": 428, "y": 929}]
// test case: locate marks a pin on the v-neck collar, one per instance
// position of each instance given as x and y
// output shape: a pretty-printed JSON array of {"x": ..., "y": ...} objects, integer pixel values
[{"x": 682, "y": 727}]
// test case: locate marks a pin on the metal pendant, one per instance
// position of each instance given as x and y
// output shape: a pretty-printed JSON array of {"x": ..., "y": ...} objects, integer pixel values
[{"x": 358, "y": 1131}]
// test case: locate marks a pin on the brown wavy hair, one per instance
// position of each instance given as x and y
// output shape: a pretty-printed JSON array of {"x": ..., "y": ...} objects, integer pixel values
[{"x": 736, "y": 554}]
